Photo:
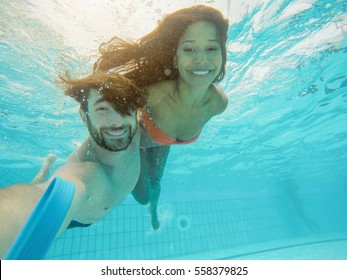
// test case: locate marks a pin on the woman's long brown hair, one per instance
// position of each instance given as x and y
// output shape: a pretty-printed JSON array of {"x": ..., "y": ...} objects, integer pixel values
[{"x": 150, "y": 59}]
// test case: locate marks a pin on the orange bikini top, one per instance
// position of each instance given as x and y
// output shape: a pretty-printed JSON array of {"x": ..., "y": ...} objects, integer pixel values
[{"x": 160, "y": 136}]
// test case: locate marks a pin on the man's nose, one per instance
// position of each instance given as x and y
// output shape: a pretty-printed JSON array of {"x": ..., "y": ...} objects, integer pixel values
[{"x": 115, "y": 119}]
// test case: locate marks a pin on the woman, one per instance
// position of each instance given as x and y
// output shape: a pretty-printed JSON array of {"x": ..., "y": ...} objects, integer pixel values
[{"x": 178, "y": 64}]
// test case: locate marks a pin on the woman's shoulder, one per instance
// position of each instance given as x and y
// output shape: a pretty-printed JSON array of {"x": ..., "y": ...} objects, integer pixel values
[
  {"x": 160, "y": 86},
  {"x": 157, "y": 92},
  {"x": 220, "y": 99}
]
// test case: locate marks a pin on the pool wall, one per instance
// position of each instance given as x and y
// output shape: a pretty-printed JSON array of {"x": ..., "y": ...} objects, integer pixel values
[{"x": 202, "y": 229}]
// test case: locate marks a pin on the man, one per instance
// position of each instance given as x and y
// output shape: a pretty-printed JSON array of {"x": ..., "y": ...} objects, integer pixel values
[{"x": 104, "y": 169}]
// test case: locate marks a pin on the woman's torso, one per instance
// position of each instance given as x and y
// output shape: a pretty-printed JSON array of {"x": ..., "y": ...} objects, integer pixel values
[{"x": 178, "y": 119}]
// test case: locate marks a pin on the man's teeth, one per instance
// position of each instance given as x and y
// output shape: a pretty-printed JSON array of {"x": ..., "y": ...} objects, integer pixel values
[
  {"x": 201, "y": 72},
  {"x": 117, "y": 132}
]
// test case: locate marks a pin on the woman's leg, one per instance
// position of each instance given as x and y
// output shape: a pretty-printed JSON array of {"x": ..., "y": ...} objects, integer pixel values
[
  {"x": 140, "y": 192},
  {"x": 157, "y": 157},
  {"x": 153, "y": 161}
]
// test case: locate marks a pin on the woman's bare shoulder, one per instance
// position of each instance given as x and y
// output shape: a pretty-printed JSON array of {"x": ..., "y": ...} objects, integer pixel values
[
  {"x": 160, "y": 86},
  {"x": 159, "y": 91},
  {"x": 220, "y": 99}
]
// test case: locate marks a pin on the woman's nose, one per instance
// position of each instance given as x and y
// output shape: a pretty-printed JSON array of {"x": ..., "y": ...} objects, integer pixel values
[{"x": 201, "y": 57}]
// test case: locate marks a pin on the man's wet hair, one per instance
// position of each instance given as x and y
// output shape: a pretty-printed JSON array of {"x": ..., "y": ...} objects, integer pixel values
[{"x": 122, "y": 94}]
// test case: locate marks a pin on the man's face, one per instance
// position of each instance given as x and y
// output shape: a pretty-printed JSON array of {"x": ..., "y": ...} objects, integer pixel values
[{"x": 109, "y": 129}]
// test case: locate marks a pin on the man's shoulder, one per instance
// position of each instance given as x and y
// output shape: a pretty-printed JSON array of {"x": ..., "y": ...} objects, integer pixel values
[{"x": 80, "y": 170}]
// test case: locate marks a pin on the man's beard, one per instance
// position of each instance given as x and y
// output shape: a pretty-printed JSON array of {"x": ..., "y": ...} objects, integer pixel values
[{"x": 115, "y": 145}]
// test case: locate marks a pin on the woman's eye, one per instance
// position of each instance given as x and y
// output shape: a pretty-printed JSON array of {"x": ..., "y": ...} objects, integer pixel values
[
  {"x": 188, "y": 49},
  {"x": 212, "y": 49}
]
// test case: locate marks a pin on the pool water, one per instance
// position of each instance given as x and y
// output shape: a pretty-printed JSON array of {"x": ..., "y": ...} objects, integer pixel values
[
  {"x": 247, "y": 228},
  {"x": 267, "y": 179}
]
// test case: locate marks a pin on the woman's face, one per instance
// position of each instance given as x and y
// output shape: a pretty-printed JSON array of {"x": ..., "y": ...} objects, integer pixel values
[{"x": 199, "y": 54}]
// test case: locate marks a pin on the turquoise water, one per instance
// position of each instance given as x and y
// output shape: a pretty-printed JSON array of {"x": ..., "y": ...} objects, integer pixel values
[{"x": 267, "y": 173}]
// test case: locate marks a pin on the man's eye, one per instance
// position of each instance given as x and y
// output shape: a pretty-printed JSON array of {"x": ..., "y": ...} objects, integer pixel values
[{"x": 102, "y": 109}]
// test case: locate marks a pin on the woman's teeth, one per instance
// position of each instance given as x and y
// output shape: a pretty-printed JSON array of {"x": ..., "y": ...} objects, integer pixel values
[{"x": 201, "y": 72}]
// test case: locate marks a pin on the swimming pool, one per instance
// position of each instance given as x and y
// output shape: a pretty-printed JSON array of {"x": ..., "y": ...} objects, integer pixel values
[{"x": 267, "y": 179}]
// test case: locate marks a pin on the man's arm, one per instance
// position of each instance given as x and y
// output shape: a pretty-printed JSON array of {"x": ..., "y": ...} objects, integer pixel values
[
  {"x": 45, "y": 169},
  {"x": 16, "y": 204}
]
